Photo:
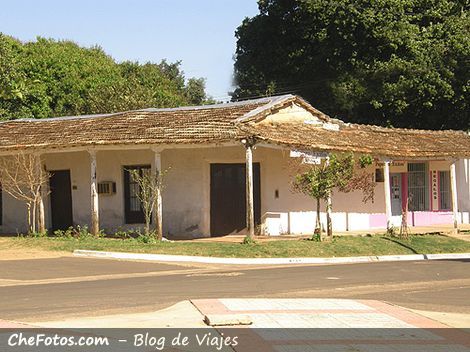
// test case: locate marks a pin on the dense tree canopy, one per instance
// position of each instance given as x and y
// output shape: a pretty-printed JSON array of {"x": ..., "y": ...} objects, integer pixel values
[
  {"x": 404, "y": 63},
  {"x": 48, "y": 78}
]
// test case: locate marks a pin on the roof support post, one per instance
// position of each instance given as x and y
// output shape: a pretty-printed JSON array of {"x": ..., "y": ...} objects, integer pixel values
[
  {"x": 157, "y": 175},
  {"x": 41, "y": 196},
  {"x": 388, "y": 202},
  {"x": 453, "y": 190},
  {"x": 95, "y": 218},
  {"x": 250, "y": 213},
  {"x": 329, "y": 226}
]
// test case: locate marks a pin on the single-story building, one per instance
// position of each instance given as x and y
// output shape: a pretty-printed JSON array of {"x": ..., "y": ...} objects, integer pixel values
[{"x": 205, "y": 152}]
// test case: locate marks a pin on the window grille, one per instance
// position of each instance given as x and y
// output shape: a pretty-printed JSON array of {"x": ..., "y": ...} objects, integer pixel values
[
  {"x": 418, "y": 187},
  {"x": 444, "y": 190},
  {"x": 107, "y": 188}
]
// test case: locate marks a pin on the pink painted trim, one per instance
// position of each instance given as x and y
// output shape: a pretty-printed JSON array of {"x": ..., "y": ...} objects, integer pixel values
[
  {"x": 429, "y": 218},
  {"x": 430, "y": 191},
  {"x": 377, "y": 221}
]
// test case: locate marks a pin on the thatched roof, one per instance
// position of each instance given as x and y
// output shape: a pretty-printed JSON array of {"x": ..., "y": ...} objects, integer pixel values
[{"x": 230, "y": 122}]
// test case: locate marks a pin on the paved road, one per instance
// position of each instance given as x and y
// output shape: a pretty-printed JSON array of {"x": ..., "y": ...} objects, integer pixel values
[{"x": 47, "y": 289}]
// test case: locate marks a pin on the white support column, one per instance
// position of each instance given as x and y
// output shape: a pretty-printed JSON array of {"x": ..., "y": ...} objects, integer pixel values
[
  {"x": 95, "y": 217},
  {"x": 250, "y": 214},
  {"x": 453, "y": 190},
  {"x": 329, "y": 226},
  {"x": 157, "y": 174},
  {"x": 41, "y": 213},
  {"x": 388, "y": 203}
]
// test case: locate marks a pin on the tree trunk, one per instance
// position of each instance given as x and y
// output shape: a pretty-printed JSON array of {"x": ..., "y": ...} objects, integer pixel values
[
  {"x": 30, "y": 228},
  {"x": 41, "y": 216},
  {"x": 33, "y": 220},
  {"x": 329, "y": 226},
  {"x": 147, "y": 227},
  {"x": 317, "y": 224}
]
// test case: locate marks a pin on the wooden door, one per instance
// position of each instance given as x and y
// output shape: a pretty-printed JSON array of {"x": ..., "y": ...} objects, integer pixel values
[
  {"x": 61, "y": 200},
  {"x": 228, "y": 198},
  {"x": 133, "y": 209}
]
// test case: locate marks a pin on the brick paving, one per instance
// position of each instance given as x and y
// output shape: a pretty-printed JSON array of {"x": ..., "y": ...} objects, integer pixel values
[{"x": 366, "y": 325}]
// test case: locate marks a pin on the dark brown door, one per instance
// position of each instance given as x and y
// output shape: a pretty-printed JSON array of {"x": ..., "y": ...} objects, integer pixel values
[
  {"x": 228, "y": 198},
  {"x": 61, "y": 200},
  {"x": 133, "y": 210}
]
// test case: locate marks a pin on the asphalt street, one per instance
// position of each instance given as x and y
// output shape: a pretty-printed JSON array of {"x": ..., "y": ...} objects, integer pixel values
[{"x": 48, "y": 289}]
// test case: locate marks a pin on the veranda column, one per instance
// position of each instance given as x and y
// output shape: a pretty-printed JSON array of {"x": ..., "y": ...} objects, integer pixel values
[
  {"x": 157, "y": 174},
  {"x": 453, "y": 190},
  {"x": 250, "y": 213},
  {"x": 95, "y": 219},
  {"x": 41, "y": 216},
  {"x": 388, "y": 203},
  {"x": 329, "y": 227}
]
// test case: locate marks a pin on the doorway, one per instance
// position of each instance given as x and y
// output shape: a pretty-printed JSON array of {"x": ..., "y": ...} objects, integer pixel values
[
  {"x": 395, "y": 190},
  {"x": 228, "y": 198},
  {"x": 61, "y": 200}
]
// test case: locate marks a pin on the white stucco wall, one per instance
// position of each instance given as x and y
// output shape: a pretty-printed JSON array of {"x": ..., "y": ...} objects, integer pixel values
[{"x": 186, "y": 196}]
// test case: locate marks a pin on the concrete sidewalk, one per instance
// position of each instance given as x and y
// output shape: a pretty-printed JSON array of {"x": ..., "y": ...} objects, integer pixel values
[
  {"x": 268, "y": 313},
  {"x": 6, "y": 324},
  {"x": 446, "y": 229},
  {"x": 180, "y": 315},
  {"x": 331, "y": 325},
  {"x": 315, "y": 313},
  {"x": 294, "y": 325}
]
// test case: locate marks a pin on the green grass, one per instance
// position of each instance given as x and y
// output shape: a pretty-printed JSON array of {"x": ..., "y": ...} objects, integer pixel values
[{"x": 338, "y": 247}]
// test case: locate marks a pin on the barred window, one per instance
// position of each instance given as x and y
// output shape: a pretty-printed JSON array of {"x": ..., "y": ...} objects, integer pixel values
[
  {"x": 444, "y": 190},
  {"x": 418, "y": 187}
]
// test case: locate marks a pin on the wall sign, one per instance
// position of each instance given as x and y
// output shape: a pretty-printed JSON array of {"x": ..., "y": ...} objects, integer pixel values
[
  {"x": 434, "y": 190},
  {"x": 309, "y": 157}
]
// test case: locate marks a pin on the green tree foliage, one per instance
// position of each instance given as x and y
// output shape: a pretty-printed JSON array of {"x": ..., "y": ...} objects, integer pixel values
[
  {"x": 404, "y": 63},
  {"x": 341, "y": 172},
  {"x": 48, "y": 78}
]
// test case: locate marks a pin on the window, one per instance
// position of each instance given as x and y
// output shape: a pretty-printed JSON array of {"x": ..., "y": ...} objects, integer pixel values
[
  {"x": 418, "y": 187},
  {"x": 134, "y": 213},
  {"x": 444, "y": 190},
  {"x": 379, "y": 175}
]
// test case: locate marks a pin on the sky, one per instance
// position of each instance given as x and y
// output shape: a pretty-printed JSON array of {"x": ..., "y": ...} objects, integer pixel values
[{"x": 200, "y": 33}]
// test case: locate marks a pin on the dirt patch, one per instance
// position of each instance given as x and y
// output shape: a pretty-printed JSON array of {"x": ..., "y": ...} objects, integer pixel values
[{"x": 11, "y": 251}]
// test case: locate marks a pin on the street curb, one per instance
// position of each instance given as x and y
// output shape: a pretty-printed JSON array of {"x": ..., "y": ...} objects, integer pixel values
[{"x": 270, "y": 261}]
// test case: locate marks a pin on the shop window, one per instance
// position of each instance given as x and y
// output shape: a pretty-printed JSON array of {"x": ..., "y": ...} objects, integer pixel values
[{"x": 418, "y": 187}]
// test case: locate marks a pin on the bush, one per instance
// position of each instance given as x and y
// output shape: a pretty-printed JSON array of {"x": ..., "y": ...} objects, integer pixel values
[
  {"x": 248, "y": 240},
  {"x": 316, "y": 237},
  {"x": 147, "y": 238},
  {"x": 80, "y": 232}
]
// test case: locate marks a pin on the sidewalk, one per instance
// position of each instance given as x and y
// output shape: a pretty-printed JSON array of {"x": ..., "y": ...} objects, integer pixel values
[
  {"x": 315, "y": 313},
  {"x": 332, "y": 325},
  {"x": 238, "y": 238},
  {"x": 180, "y": 315},
  {"x": 293, "y": 325},
  {"x": 6, "y": 324},
  {"x": 266, "y": 313}
]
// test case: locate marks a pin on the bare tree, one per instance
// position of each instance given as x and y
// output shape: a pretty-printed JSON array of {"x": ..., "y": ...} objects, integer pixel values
[
  {"x": 22, "y": 177},
  {"x": 150, "y": 187}
]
